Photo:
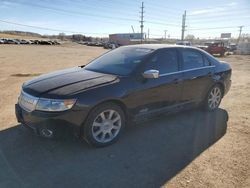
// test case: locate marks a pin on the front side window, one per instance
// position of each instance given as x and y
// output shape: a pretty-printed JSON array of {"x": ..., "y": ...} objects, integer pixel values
[
  {"x": 165, "y": 61},
  {"x": 206, "y": 61},
  {"x": 191, "y": 59},
  {"x": 121, "y": 61}
]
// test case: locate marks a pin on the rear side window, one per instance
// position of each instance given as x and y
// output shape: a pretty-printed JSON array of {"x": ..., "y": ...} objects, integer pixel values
[
  {"x": 192, "y": 59},
  {"x": 164, "y": 60}
]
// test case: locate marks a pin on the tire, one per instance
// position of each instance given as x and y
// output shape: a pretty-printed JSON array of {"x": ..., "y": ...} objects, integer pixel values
[
  {"x": 213, "y": 98},
  {"x": 104, "y": 125}
]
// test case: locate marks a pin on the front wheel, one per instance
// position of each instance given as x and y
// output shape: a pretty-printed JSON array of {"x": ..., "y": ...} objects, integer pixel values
[
  {"x": 104, "y": 125},
  {"x": 213, "y": 98}
]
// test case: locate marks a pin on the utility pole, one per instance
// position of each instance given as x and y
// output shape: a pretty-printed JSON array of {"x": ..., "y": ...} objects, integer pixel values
[
  {"x": 240, "y": 33},
  {"x": 133, "y": 29},
  {"x": 165, "y": 34},
  {"x": 183, "y": 25},
  {"x": 142, "y": 20},
  {"x": 148, "y": 33}
]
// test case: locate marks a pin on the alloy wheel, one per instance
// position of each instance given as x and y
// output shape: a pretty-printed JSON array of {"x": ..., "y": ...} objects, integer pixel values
[
  {"x": 214, "y": 98},
  {"x": 106, "y": 126}
]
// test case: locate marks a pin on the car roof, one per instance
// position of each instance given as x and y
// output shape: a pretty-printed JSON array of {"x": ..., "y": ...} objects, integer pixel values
[{"x": 158, "y": 46}]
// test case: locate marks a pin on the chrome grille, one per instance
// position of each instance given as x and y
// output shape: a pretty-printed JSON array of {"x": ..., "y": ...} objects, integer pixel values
[{"x": 27, "y": 102}]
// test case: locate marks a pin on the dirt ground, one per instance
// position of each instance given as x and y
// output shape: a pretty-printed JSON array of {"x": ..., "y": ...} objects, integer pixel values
[{"x": 225, "y": 164}]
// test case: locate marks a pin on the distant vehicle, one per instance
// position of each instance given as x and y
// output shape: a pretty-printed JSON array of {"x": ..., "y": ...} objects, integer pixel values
[
  {"x": 232, "y": 47},
  {"x": 56, "y": 42},
  {"x": 24, "y": 42},
  {"x": 128, "y": 83},
  {"x": 109, "y": 45},
  {"x": 17, "y": 41},
  {"x": 32, "y": 41},
  {"x": 91, "y": 44},
  {"x": 10, "y": 41},
  {"x": 99, "y": 44},
  {"x": 106, "y": 46},
  {"x": 215, "y": 47},
  {"x": 81, "y": 42},
  {"x": 44, "y": 42},
  {"x": 203, "y": 47},
  {"x": 185, "y": 43}
]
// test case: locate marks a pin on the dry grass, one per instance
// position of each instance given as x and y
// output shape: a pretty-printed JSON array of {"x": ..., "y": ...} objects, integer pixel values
[
  {"x": 20, "y": 63},
  {"x": 225, "y": 164},
  {"x": 10, "y": 36}
]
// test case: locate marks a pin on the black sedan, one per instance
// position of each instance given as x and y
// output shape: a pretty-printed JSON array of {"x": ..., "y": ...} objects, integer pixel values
[{"x": 128, "y": 83}]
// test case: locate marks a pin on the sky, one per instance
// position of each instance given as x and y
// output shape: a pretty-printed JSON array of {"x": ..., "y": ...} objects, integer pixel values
[{"x": 98, "y": 18}]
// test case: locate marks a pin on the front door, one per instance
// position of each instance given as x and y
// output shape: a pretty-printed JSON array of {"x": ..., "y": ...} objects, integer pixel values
[{"x": 153, "y": 94}]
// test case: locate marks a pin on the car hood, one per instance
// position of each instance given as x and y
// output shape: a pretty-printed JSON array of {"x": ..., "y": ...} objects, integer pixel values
[{"x": 66, "y": 82}]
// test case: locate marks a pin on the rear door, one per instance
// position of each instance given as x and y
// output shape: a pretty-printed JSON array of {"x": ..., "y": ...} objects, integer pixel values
[{"x": 197, "y": 75}]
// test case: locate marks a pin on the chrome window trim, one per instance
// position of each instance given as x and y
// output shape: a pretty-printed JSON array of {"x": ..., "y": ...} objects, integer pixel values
[{"x": 187, "y": 70}]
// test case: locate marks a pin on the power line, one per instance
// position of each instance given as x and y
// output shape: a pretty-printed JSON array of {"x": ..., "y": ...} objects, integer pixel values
[
  {"x": 164, "y": 18},
  {"x": 91, "y": 15},
  {"x": 48, "y": 29},
  {"x": 76, "y": 12},
  {"x": 154, "y": 5},
  {"x": 219, "y": 21},
  {"x": 162, "y": 6},
  {"x": 233, "y": 16},
  {"x": 218, "y": 8},
  {"x": 104, "y": 8},
  {"x": 213, "y": 28},
  {"x": 98, "y": 16},
  {"x": 161, "y": 23}
]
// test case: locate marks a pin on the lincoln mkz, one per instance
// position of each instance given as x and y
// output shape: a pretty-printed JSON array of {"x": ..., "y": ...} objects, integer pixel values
[{"x": 126, "y": 84}]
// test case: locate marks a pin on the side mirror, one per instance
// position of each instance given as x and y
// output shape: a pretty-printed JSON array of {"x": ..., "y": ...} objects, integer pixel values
[{"x": 151, "y": 74}]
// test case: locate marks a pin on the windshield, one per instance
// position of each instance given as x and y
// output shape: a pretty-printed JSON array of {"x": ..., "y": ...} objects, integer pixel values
[{"x": 121, "y": 61}]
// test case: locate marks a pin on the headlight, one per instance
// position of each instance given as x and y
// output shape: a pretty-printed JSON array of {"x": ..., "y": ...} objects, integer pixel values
[{"x": 54, "y": 105}]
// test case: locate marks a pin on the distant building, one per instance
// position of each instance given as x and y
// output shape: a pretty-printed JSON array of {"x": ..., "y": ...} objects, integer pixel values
[
  {"x": 125, "y": 38},
  {"x": 243, "y": 48}
]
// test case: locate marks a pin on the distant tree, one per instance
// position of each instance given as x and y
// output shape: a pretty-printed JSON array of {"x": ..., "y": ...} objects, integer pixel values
[
  {"x": 245, "y": 36},
  {"x": 190, "y": 37},
  {"x": 61, "y": 36}
]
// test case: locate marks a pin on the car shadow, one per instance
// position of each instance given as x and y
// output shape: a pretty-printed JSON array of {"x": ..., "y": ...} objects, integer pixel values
[{"x": 147, "y": 155}]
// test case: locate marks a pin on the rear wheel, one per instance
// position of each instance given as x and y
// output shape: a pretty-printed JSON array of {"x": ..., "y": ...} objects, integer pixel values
[
  {"x": 213, "y": 98},
  {"x": 104, "y": 125}
]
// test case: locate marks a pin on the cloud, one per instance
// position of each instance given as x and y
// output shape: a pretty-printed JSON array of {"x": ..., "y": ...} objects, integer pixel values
[
  {"x": 232, "y": 4},
  {"x": 214, "y": 9},
  {"x": 6, "y": 4},
  {"x": 205, "y": 11}
]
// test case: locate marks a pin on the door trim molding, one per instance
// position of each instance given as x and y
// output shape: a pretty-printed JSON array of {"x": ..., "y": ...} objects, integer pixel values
[{"x": 187, "y": 70}]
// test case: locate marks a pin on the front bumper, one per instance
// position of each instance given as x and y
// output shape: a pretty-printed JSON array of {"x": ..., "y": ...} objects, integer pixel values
[
  {"x": 227, "y": 86},
  {"x": 58, "y": 122}
]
